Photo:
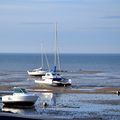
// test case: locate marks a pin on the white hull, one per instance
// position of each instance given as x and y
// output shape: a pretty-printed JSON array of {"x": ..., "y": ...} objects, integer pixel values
[
  {"x": 62, "y": 83},
  {"x": 36, "y": 73},
  {"x": 53, "y": 82},
  {"x": 45, "y": 81},
  {"x": 21, "y": 98}
]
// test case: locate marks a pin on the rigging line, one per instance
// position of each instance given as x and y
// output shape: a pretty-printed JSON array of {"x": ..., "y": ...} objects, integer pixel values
[
  {"x": 55, "y": 46},
  {"x": 47, "y": 61},
  {"x": 58, "y": 57},
  {"x": 42, "y": 55}
]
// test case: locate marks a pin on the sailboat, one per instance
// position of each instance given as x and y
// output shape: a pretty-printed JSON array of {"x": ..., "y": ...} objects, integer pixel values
[
  {"x": 39, "y": 71},
  {"x": 53, "y": 77}
]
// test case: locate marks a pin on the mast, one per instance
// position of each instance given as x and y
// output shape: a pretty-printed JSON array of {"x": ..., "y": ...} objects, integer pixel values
[
  {"x": 55, "y": 44},
  {"x": 41, "y": 55},
  {"x": 56, "y": 54}
]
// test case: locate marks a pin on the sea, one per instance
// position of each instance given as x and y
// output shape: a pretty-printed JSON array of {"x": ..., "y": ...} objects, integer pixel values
[
  {"x": 92, "y": 70},
  {"x": 84, "y": 70}
]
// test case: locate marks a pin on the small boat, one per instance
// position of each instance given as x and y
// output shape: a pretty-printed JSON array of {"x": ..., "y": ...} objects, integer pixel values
[
  {"x": 54, "y": 79},
  {"x": 37, "y": 72},
  {"x": 20, "y": 97}
]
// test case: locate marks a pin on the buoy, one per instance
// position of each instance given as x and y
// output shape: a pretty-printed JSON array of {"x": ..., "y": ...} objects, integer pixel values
[
  {"x": 45, "y": 104},
  {"x": 118, "y": 93}
]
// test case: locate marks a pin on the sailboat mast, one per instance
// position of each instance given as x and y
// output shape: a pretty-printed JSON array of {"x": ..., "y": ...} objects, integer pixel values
[
  {"x": 55, "y": 61},
  {"x": 41, "y": 55}
]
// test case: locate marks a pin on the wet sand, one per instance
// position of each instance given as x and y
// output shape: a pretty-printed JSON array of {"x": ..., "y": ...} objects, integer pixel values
[
  {"x": 9, "y": 116},
  {"x": 85, "y": 115},
  {"x": 87, "y": 90},
  {"x": 68, "y": 89},
  {"x": 84, "y": 90}
]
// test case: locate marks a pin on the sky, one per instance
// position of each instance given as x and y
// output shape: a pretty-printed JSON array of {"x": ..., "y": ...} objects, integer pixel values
[{"x": 84, "y": 26}]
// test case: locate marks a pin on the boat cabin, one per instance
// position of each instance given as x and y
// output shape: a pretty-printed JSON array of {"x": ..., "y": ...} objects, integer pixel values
[{"x": 19, "y": 90}]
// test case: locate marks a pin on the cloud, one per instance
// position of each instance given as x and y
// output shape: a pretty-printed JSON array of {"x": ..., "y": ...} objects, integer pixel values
[
  {"x": 111, "y": 17},
  {"x": 37, "y": 23}
]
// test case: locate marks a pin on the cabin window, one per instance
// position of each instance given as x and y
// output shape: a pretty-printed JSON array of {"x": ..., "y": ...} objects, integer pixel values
[
  {"x": 23, "y": 90},
  {"x": 18, "y": 91}
]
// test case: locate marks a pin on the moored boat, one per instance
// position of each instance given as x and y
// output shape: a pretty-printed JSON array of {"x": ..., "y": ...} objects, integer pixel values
[
  {"x": 20, "y": 97},
  {"x": 54, "y": 79},
  {"x": 37, "y": 72}
]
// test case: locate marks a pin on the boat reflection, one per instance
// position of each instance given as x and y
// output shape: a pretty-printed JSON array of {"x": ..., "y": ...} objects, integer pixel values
[
  {"x": 46, "y": 100},
  {"x": 33, "y": 78},
  {"x": 49, "y": 98},
  {"x": 19, "y": 110}
]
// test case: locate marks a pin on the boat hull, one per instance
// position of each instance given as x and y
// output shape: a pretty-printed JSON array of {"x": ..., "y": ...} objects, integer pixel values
[
  {"x": 45, "y": 81},
  {"x": 52, "y": 83},
  {"x": 18, "y": 103},
  {"x": 55, "y": 83},
  {"x": 20, "y": 100},
  {"x": 36, "y": 73}
]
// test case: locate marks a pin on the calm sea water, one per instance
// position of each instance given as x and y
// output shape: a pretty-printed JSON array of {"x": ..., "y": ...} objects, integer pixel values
[{"x": 83, "y": 69}]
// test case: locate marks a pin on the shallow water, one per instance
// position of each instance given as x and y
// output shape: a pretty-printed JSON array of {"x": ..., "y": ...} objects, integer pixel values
[
  {"x": 98, "y": 70},
  {"x": 73, "y": 105}
]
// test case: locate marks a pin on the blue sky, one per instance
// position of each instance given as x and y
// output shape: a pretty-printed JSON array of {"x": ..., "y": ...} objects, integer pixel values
[{"x": 84, "y": 26}]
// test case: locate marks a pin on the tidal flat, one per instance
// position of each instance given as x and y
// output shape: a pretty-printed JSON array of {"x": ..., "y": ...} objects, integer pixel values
[{"x": 87, "y": 103}]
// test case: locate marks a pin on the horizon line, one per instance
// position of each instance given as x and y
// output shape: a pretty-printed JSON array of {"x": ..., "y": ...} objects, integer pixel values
[{"x": 50, "y": 53}]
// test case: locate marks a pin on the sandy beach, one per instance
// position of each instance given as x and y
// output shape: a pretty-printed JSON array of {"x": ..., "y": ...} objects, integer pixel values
[{"x": 87, "y": 90}]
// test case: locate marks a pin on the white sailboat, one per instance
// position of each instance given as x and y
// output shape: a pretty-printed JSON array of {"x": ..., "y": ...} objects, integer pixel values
[
  {"x": 53, "y": 77},
  {"x": 39, "y": 71}
]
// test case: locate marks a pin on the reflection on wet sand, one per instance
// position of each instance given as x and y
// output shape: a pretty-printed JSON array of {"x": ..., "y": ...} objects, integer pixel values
[
  {"x": 19, "y": 110},
  {"x": 47, "y": 100}
]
